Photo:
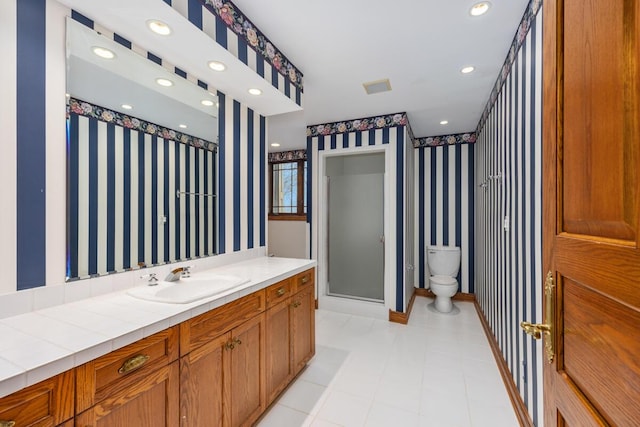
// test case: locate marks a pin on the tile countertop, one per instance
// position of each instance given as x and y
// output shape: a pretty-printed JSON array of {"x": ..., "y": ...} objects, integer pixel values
[{"x": 40, "y": 344}]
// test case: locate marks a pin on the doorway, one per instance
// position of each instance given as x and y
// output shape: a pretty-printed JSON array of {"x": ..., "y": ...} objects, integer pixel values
[{"x": 355, "y": 226}]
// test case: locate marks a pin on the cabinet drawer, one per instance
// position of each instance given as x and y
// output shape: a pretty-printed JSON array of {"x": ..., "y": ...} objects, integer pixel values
[
  {"x": 205, "y": 327},
  {"x": 99, "y": 378},
  {"x": 304, "y": 280},
  {"x": 49, "y": 402},
  {"x": 278, "y": 292}
]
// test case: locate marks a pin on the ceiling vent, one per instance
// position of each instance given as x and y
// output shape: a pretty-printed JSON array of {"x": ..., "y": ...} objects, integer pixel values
[{"x": 377, "y": 86}]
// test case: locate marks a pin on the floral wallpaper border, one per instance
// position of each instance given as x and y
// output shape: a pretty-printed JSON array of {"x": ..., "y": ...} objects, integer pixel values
[
  {"x": 243, "y": 27},
  {"x": 287, "y": 156},
  {"x": 523, "y": 29},
  {"x": 437, "y": 141},
  {"x": 367, "y": 123},
  {"x": 87, "y": 109}
]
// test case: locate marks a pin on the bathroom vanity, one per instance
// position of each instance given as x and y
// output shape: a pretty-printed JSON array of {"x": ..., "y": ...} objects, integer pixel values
[{"x": 211, "y": 367}]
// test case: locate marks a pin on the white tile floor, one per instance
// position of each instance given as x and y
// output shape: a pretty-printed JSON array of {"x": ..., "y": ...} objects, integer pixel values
[{"x": 436, "y": 371}]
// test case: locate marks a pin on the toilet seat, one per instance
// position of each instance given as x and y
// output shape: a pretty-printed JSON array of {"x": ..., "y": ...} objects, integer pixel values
[{"x": 443, "y": 280}]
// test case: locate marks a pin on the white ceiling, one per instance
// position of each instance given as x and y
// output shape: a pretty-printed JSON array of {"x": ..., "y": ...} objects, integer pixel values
[{"x": 420, "y": 45}]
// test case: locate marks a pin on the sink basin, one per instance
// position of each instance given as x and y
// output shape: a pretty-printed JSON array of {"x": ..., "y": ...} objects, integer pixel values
[{"x": 187, "y": 289}]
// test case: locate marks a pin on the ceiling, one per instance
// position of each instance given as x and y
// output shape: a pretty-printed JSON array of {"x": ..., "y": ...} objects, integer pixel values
[{"x": 419, "y": 45}]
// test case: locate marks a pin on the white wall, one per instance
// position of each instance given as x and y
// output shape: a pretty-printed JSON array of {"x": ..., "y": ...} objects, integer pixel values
[{"x": 288, "y": 239}]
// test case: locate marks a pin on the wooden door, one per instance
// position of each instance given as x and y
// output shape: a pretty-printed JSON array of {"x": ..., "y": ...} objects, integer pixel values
[
  {"x": 303, "y": 323},
  {"x": 247, "y": 391},
  {"x": 151, "y": 402},
  {"x": 202, "y": 385},
  {"x": 591, "y": 210},
  {"x": 278, "y": 348}
]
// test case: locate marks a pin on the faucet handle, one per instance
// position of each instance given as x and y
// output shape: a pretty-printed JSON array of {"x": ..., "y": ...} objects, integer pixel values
[
  {"x": 186, "y": 270},
  {"x": 153, "y": 280}
]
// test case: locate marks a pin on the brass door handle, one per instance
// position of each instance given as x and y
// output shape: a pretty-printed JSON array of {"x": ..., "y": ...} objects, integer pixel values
[
  {"x": 280, "y": 292},
  {"x": 535, "y": 329},
  {"x": 7, "y": 423},
  {"x": 296, "y": 304},
  {"x": 230, "y": 345},
  {"x": 546, "y": 329},
  {"x": 131, "y": 365}
]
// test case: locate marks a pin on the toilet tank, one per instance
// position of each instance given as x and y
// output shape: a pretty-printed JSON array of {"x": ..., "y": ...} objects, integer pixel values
[{"x": 443, "y": 260}]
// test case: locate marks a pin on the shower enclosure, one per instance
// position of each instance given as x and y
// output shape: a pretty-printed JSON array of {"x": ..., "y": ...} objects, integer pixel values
[{"x": 355, "y": 224}]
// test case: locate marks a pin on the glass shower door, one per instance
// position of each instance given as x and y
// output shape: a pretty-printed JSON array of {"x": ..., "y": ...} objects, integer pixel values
[{"x": 356, "y": 236}]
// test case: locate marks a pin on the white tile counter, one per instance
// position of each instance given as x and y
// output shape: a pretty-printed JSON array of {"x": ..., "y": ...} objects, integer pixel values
[{"x": 42, "y": 343}]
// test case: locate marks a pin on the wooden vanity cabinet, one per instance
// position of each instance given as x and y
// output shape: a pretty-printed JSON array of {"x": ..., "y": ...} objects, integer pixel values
[
  {"x": 290, "y": 325},
  {"x": 278, "y": 319},
  {"x": 135, "y": 385},
  {"x": 223, "y": 376},
  {"x": 303, "y": 337},
  {"x": 48, "y": 403}
]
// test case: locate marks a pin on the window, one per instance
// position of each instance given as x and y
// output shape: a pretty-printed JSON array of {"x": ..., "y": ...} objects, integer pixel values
[{"x": 288, "y": 190}]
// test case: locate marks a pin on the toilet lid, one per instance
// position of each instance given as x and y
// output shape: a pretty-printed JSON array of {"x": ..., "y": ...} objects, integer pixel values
[{"x": 443, "y": 280}]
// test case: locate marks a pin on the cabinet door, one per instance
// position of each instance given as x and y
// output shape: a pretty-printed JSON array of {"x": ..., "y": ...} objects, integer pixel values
[
  {"x": 48, "y": 403},
  {"x": 303, "y": 322},
  {"x": 151, "y": 402},
  {"x": 247, "y": 398},
  {"x": 202, "y": 386},
  {"x": 279, "y": 369}
]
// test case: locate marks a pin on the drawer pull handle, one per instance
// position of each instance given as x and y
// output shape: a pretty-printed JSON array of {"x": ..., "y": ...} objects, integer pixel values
[
  {"x": 134, "y": 363},
  {"x": 296, "y": 304},
  {"x": 280, "y": 292},
  {"x": 7, "y": 423},
  {"x": 230, "y": 345},
  {"x": 305, "y": 279}
]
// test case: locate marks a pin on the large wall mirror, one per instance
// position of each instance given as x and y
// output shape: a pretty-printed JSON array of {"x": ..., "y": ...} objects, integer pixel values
[{"x": 142, "y": 159}]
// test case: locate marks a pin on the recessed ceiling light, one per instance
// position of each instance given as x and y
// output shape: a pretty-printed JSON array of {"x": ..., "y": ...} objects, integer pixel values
[
  {"x": 126, "y": 106},
  {"x": 182, "y": 126},
  {"x": 444, "y": 122},
  {"x": 275, "y": 144},
  {"x": 480, "y": 8},
  {"x": 217, "y": 66},
  {"x": 467, "y": 70},
  {"x": 255, "y": 91},
  {"x": 103, "y": 52},
  {"x": 159, "y": 27},
  {"x": 164, "y": 82},
  {"x": 207, "y": 102}
]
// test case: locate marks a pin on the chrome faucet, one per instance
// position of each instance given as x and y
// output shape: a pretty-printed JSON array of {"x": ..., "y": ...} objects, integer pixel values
[{"x": 177, "y": 273}]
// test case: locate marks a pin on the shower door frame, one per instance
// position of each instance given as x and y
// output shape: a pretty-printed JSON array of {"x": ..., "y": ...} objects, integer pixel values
[{"x": 374, "y": 308}]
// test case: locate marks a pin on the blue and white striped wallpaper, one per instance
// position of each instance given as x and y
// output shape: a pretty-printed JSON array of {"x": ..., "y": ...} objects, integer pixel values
[
  {"x": 445, "y": 207},
  {"x": 33, "y": 222},
  {"x": 123, "y": 208},
  {"x": 396, "y": 137},
  {"x": 508, "y": 259}
]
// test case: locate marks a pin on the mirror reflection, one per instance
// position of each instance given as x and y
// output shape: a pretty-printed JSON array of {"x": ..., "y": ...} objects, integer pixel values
[{"x": 141, "y": 159}]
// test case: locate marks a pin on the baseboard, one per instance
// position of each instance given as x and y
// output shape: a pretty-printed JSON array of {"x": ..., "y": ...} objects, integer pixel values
[
  {"x": 422, "y": 292},
  {"x": 512, "y": 390},
  {"x": 403, "y": 318}
]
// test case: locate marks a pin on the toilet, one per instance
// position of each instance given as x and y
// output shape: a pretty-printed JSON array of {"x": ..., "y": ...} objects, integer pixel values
[{"x": 444, "y": 264}]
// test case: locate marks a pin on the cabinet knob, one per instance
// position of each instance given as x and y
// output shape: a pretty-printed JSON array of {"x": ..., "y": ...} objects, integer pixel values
[
  {"x": 305, "y": 279},
  {"x": 280, "y": 292},
  {"x": 7, "y": 423}
]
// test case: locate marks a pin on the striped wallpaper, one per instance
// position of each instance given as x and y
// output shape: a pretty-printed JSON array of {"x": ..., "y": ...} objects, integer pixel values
[
  {"x": 396, "y": 138},
  {"x": 212, "y": 25},
  {"x": 445, "y": 207},
  {"x": 508, "y": 218},
  {"x": 123, "y": 208},
  {"x": 33, "y": 250}
]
